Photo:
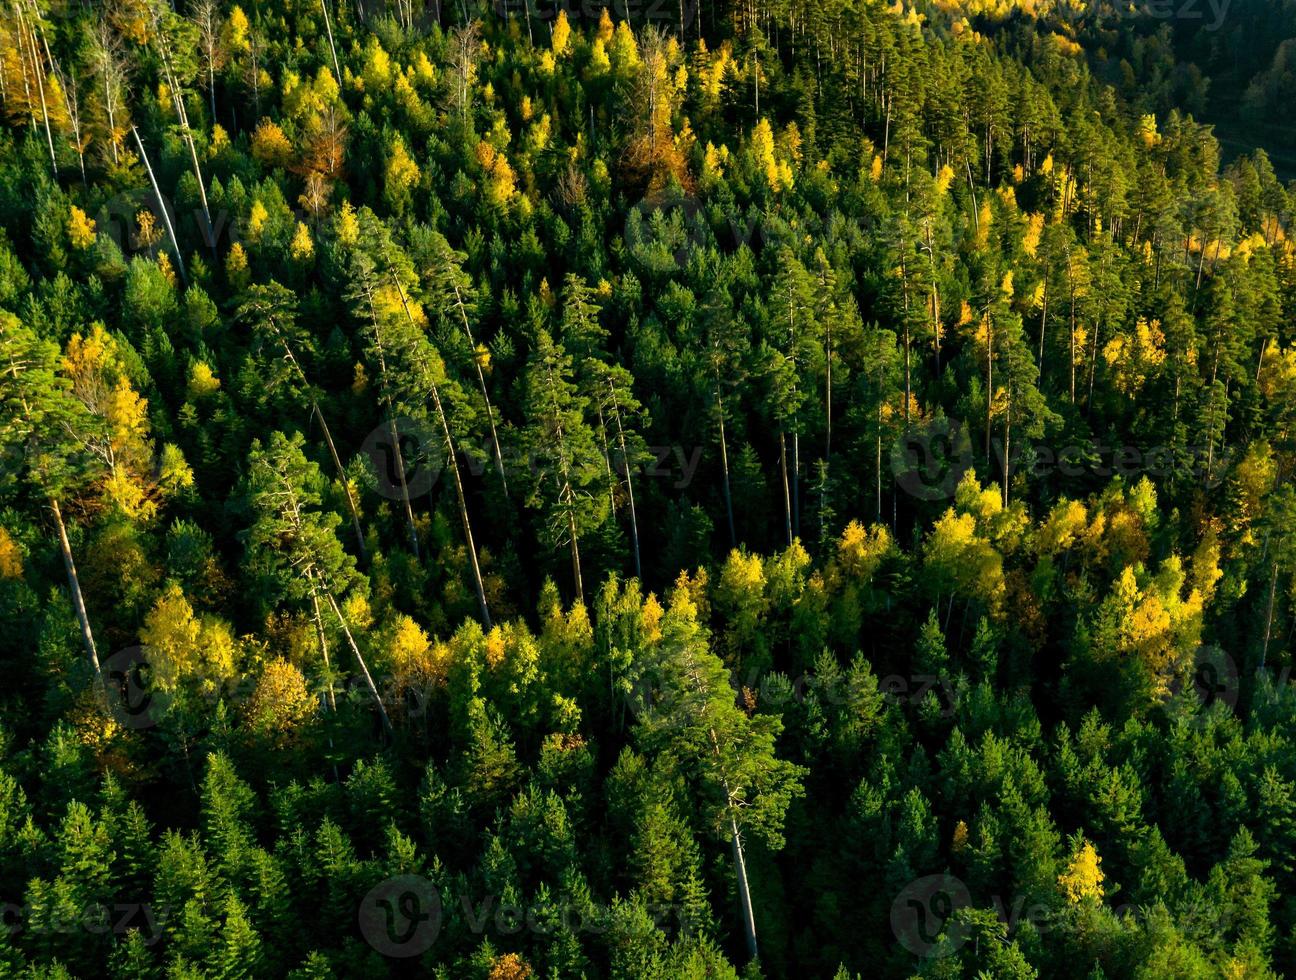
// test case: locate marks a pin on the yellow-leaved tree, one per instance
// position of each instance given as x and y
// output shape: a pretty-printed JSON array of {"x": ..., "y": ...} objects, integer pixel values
[
  {"x": 123, "y": 441},
  {"x": 1082, "y": 881},
  {"x": 281, "y": 702},
  {"x": 182, "y": 646}
]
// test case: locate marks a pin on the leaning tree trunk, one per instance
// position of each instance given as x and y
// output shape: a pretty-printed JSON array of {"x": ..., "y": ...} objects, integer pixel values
[
  {"x": 74, "y": 585},
  {"x": 463, "y": 508},
  {"x": 724, "y": 466},
  {"x": 364, "y": 668},
  {"x": 625, "y": 459},
  {"x": 323, "y": 642},
  {"x": 744, "y": 891},
  {"x": 481, "y": 380},
  {"x": 166, "y": 215},
  {"x": 342, "y": 477}
]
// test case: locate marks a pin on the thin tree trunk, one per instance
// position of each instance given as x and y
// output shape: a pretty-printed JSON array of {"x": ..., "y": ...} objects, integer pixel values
[
  {"x": 878, "y": 444},
  {"x": 1273, "y": 586},
  {"x": 342, "y": 477},
  {"x": 364, "y": 668},
  {"x": 166, "y": 215},
  {"x": 625, "y": 459},
  {"x": 481, "y": 380},
  {"x": 29, "y": 35},
  {"x": 744, "y": 891},
  {"x": 796, "y": 483},
  {"x": 328, "y": 26},
  {"x": 391, "y": 424},
  {"x": 787, "y": 500},
  {"x": 575, "y": 554},
  {"x": 724, "y": 466},
  {"x": 323, "y": 642},
  {"x": 463, "y": 508},
  {"x": 74, "y": 585}
]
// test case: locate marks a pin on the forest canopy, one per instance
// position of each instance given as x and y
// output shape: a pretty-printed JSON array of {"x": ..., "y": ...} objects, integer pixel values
[{"x": 630, "y": 491}]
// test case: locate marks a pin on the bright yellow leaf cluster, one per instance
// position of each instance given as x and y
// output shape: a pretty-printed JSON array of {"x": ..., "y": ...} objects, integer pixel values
[
  {"x": 1083, "y": 879},
  {"x": 81, "y": 229},
  {"x": 11, "y": 565},
  {"x": 181, "y": 646},
  {"x": 281, "y": 702}
]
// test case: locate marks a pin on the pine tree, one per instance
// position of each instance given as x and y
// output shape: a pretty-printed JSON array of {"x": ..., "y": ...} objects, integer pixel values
[
  {"x": 727, "y": 755},
  {"x": 42, "y": 420},
  {"x": 271, "y": 313},
  {"x": 298, "y": 544},
  {"x": 559, "y": 436}
]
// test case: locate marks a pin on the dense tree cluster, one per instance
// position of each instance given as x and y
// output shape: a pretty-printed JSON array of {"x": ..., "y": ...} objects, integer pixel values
[{"x": 786, "y": 490}]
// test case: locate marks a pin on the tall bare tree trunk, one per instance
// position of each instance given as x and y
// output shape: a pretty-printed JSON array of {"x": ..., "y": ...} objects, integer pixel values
[
  {"x": 323, "y": 642},
  {"x": 724, "y": 466},
  {"x": 74, "y": 585},
  {"x": 328, "y": 26},
  {"x": 463, "y": 508},
  {"x": 625, "y": 460},
  {"x": 166, "y": 215},
  {"x": 364, "y": 668},
  {"x": 481, "y": 380},
  {"x": 342, "y": 478},
  {"x": 744, "y": 891},
  {"x": 787, "y": 500},
  {"x": 28, "y": 35}
]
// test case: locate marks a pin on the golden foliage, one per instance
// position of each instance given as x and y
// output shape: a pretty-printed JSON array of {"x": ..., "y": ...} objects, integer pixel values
[
  {"x": 777, "y": 173},
  {"x": 202, "y": 381},
  {"x": 510, "y": 966},
  {"x": 860, "y": 551},
  {"x": 236, "y": 266},
  {"x": 402, "y": 171},
  {"x": 270, "y": 146},
  {"x": 281, "y": 703},
  {"x": 124, "y": 447},
  {"x": 81, "y": 229},
  {"x": 302, "y": 248},
  {"x": 11, "y": 565},
  {"x": 1083, "y": 879},
  {"x": 183, "y": 647},
  {"x": 560, "y": 41}
]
